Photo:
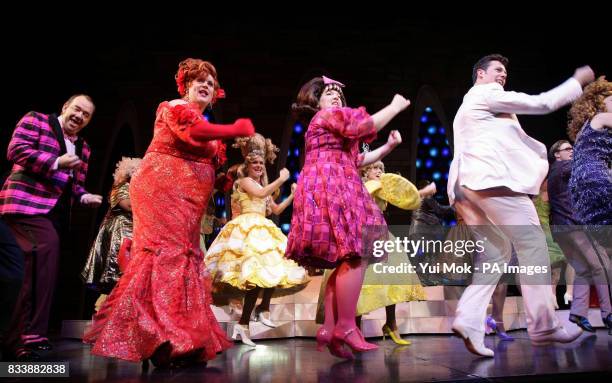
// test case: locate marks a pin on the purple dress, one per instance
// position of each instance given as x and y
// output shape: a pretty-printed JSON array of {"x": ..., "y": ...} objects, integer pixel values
[
  {"x": 591, "y": 181},
  {"x": 332, "y": 210}
]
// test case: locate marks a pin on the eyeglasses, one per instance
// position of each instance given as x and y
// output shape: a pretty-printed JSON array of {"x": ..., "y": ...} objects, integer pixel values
[{"x": 570, "y": 149}]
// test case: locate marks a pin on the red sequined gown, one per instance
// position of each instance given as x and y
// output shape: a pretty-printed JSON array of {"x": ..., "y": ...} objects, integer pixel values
[{"x": 164, "y": 295}]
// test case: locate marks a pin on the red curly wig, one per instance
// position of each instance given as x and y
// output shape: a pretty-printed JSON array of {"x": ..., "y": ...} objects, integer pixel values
[{"x": 192, "y": 69}]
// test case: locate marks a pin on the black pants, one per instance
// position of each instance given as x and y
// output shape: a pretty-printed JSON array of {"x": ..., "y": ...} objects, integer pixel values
[{"x": 11, "y": 275}]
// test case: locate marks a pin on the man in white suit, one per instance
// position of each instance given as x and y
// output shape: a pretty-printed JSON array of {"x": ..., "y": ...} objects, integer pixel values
[{"x": 496, "y": 166}]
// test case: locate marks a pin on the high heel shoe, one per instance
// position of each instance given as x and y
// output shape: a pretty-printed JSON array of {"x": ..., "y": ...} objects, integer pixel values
[
  {"x": 242, "y": 332},
  {"x": 386, "y": 330},
  {"x": 264, "y": 317},
  {"x": 324, "y": 338},
  {"x": 357, "y": 344},
  {"x": 493, "y": 326}
]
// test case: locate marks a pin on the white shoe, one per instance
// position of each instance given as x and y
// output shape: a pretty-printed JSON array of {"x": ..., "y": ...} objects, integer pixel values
[
  {"x": 241, "y": 332},
  {"x": 264, "y": 317},
  {"x": 474, "y": 340},
  {"x": 567, "y": 297},
  {"x": 561, "y": 335}
]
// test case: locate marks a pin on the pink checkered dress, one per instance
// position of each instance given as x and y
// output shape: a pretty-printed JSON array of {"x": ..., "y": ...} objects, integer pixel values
[{"x": 332, "y": 207}]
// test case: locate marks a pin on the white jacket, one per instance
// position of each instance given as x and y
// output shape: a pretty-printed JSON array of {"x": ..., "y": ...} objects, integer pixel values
[{"x": 491, "y": 148}]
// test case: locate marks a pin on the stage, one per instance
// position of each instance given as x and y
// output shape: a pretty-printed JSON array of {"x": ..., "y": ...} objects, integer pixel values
[
  {"x": 295, "y": 315},
  {"x": 428, "y": 358}
]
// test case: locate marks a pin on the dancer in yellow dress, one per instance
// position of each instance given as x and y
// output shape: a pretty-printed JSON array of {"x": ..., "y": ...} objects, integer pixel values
[
  {"x": 249, "y": 252},
  {"x": 382, "y": 289}
]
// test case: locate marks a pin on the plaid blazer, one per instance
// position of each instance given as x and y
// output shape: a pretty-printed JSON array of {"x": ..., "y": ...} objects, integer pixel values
[{"x": 33, "y": 187}]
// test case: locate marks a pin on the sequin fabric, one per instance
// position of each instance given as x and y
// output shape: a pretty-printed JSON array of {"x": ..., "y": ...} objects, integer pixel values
[
  {"x": 164, "y": 295},
  {"x": 101, "y": 271},
  {"x": 331, "y": 207},
  {"x": 591, "y": 182}
]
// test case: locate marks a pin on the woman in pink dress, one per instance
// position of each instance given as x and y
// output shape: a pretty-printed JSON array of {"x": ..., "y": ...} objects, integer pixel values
[
  {"x": 332, "y": 210},
  {"x": 160, "y": 309}
]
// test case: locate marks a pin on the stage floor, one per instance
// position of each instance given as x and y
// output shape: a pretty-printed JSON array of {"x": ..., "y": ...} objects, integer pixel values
[{"x": 429, "y": 358}]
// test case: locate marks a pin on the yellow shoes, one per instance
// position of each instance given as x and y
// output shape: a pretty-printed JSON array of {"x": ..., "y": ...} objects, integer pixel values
[{"x": 395, "y": 337}]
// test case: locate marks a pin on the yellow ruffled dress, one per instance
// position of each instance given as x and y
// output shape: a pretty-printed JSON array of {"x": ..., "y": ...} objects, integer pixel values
[
  {"x": 249, "y": 250},
  {"x": 381, "y": 289}
]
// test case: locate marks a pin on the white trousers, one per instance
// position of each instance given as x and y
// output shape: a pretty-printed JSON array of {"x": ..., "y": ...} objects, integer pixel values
[{"x": 503, "y": 219}]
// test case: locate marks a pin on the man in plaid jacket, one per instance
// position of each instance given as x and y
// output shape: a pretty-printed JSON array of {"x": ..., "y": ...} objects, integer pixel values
[{"x": 48, "y": 175}]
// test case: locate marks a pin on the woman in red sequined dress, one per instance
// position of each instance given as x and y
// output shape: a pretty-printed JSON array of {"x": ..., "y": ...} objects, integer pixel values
[{"x": 160, "y": 309}]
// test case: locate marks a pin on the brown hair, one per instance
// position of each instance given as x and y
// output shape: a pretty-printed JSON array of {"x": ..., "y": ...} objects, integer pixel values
[
  {"x": 307, "y": 102},
  {"x": 555, "y": 148},
  {"x": 484, "y": 62}
]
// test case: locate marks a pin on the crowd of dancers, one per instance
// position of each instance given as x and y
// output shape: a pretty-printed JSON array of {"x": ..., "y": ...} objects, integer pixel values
[{"x": 156, "y": 276}]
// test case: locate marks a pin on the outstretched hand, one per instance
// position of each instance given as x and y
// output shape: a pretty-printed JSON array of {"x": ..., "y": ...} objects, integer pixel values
[
  {"x": 400, "y": 103},
  {"x": 284, "y": 174},
  {"x": 91, "y": 200},
  {"x": 584, "y": 75},
  {"x": 429, "y": 190},
  {"x": 244, "y": 127}
]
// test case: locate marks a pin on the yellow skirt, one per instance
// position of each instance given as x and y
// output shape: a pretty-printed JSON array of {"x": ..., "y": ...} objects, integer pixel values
[
  {"x": 249, "y": 252},
  {"x": 384, "y": 289},
  {"x": 381, "y": 290}
]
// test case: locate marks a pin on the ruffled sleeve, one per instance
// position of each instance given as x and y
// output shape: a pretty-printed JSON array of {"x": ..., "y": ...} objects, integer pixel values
[
  {"x": 186, "y": 122},
  {"x": 373, "y": 186},
  {"x": 181, "y": 119},
  {"x": 399, "y": 192},
  {"x": 348, "y": 122}
]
